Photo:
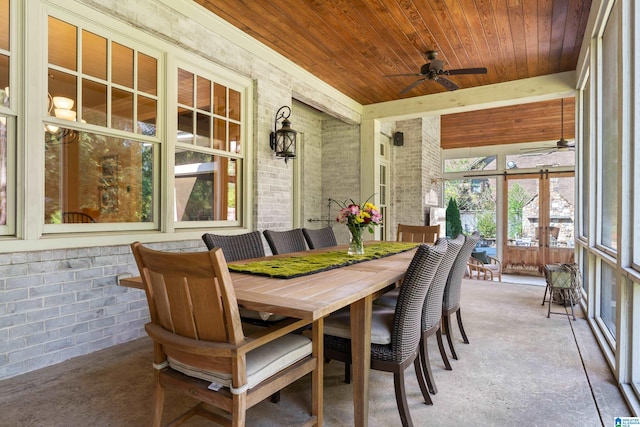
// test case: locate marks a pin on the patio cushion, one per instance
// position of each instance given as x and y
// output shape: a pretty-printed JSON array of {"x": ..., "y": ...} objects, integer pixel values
[
  {"x": 337, "y": 324},
  {"x": 481, "y": 256},
  {"x": 262, "y": 362}
]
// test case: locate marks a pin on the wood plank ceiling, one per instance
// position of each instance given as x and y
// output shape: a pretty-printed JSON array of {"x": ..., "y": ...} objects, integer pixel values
[{"x": 353, "y": 44}]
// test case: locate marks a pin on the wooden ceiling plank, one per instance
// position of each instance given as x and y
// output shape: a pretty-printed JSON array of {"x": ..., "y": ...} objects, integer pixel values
[
  {"x": 505, "y": 38},
  {"x": 534, "y": 122},
  {"x": 490, "y": 28},
  {"x": 468, "y": 56},
  {"x": 574, "y": 26},
  {"x": 545, "y": 9},
  {"x": 559, "y": 19},
  {"x": 380, "y": 15},
  {"x": 518, "y": 37},
  {"x": 530, "y": 17}
]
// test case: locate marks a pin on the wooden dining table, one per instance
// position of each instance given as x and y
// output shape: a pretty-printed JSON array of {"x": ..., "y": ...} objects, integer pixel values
[{"x": 315, "y": 296}]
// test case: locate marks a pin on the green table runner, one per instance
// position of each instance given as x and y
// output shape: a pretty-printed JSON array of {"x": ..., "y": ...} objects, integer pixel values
[{"x": 294, "y": 266}]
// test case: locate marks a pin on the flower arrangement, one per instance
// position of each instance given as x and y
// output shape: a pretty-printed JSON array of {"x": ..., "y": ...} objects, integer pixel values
[{"x": 358, "y": 216}]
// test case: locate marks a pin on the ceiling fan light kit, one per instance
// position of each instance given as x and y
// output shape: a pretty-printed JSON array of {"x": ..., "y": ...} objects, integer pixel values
[{"x": 434, "y": 70}]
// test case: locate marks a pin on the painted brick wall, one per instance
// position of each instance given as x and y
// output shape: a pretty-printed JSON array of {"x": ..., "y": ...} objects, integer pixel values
[
  {"x": 413, "y": 166},
  {"x": 308, "y": 123},
  {"x": 55, "y": 305},
  {"x": 340, "y": 169}
]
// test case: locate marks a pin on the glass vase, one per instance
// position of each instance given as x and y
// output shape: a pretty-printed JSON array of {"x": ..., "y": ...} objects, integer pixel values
[{"x": 355, "y": 244}]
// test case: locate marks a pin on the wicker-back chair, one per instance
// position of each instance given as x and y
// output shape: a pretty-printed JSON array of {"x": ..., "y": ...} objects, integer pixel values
[
  {"x": 283, "y": 242},
  {"x": 453, "y": 290},
  {"x": 236, "y": 247},
  {"x": 395, "y": 334},
  {"x": 239, "y": 247},
  {"x": 320, "y": 238},
  {"x": 432, "y": 310}
]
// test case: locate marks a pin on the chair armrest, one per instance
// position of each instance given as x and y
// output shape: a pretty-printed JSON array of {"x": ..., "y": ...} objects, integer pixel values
[
  {"x": 272, "y": 332},
  {"x": 199, "y": 347},
  {"x": 495, "y": 261},
  {"x": 169, "y": 340}
]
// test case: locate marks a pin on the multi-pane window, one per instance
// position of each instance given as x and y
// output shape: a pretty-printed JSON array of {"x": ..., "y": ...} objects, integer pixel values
[
  {"x": 5, "y": 119},
  {"x": 208, "y": 149},
  {"x": 101, "y": 128}
]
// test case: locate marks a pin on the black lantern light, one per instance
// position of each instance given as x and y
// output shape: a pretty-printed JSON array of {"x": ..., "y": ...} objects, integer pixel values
[{"x": 283, "y": 140}]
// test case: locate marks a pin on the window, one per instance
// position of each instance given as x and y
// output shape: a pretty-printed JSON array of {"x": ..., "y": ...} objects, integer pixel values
[
  {"x": 470, "y": 164},
  {"x": 209, "y": 149},
  {"x": 610, "y": 135},
  {"x": 100, "y": 134},
  {"x": 585, "y": 162},
  {"x": 608, "y": 297},
  {"x": 7, "y": 124}
]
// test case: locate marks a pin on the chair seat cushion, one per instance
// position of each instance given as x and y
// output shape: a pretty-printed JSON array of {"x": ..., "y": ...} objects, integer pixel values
[
  {"x": 338, "y": 324},
  {"x": 262, "y": 362},
  {"x": 481, "y": 256},
  {"x": 245, "y": 313},
  {"x": 389, "y": 299}
]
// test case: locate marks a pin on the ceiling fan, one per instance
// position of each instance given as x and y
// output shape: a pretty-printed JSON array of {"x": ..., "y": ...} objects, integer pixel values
[
  {"x": 561, "y": 144},
  {"x": 435, "y": 71}
]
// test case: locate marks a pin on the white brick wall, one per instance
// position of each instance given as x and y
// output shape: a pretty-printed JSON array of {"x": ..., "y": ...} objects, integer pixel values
[
  {"x": 413, "y": 166},
  {"x": 340, "y": 168},
  {"x": 55, "y": 305}
]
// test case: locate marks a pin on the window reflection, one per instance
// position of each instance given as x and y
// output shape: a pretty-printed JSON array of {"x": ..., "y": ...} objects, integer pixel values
[
  {"x": 109, "y": 179},
  {"x": 206, "y": 187}
]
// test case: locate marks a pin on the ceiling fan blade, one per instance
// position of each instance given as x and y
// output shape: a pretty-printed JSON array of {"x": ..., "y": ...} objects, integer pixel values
[
  {"x": 412, "y": 85},
  {"x": 404, "y": 75},
  {"x": 448, "y": 84},
  {"x": 481, "y": 70}
]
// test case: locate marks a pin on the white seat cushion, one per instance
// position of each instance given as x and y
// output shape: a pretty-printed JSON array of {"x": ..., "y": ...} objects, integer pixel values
[
  {"x": 262, "y": 315},
  {"x": 262, "y": 362},
  {"x": 338, "y": 324}
]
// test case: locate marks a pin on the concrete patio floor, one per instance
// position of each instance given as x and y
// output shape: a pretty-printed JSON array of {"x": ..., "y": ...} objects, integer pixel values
[{"x": 520, "y": 369}]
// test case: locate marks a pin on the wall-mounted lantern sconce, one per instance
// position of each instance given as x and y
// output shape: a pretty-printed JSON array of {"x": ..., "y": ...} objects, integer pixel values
[{"x": 283, "y": 140}]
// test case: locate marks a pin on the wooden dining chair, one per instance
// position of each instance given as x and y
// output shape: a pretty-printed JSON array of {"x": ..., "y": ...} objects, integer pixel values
[
  {"x": 202, "y": 349},
  {"x": 453, "y": 290},
  {"x": 432, "y": 311},
  {"x": 283, "y": 242},
  {"x": 76, "y": 218},
  {"x": 237, "y": 246},
  {"x": 395, "y": 333},
  {"x": 320, "y": 238},
  {"x": 418, "y": 233}
]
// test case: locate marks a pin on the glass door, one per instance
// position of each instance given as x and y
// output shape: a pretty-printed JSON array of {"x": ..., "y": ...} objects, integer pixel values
[{"x": 539, "y": 222}]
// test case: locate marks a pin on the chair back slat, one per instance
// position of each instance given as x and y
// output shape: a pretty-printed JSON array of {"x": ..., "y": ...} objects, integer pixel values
[
  {"x": 320, "y": 238},
  {"x": 418, "y": 233},
  {"x": 187, "y": 297},
  {"x": 283, "y": 242}
]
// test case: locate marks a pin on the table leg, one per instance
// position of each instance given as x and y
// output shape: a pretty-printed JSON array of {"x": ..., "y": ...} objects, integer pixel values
[
  {"x": 317, "y": 377},
  {"x": 361, "y": 358}
]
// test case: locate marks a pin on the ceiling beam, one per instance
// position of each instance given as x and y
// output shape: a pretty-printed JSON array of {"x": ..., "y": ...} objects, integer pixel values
[{"x": 522, "y": 91}]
